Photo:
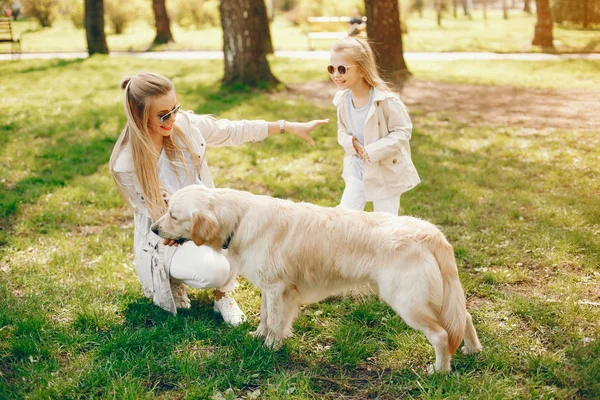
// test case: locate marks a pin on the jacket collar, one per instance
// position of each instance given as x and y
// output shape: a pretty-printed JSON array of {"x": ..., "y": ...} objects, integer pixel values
[{"x": 378, "y": 96}]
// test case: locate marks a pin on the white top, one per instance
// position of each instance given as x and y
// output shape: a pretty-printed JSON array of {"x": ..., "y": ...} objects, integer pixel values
[{"x": 358, "y": 118}]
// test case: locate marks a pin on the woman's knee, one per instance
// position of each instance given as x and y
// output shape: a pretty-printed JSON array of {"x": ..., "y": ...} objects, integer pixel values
[{"x": 200, "y": 264}]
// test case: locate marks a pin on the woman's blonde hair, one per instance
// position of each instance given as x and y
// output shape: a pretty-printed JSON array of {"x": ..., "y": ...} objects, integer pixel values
[
  {"x": 361, "y": 54},
  {"x": 140, "y": 90}
]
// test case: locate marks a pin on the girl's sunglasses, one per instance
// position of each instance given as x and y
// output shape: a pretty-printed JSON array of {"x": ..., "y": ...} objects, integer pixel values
[
  {"x": 167, "y": 116},
  {"x": 341, "y": 69}
]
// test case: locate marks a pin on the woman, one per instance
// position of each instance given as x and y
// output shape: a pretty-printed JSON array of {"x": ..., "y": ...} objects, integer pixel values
[{"x": 160, "y": 150}]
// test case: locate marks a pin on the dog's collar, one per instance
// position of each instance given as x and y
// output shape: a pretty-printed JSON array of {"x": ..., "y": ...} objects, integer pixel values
[{"x": 227, "y": 241}]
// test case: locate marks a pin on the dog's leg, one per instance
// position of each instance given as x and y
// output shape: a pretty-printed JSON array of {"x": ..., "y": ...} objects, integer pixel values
[
  {"x": 263, "y": 329},
  {"x": 472, "y": 344},
  {"x": 180, "y": 296},
  {"x": 410, "y": 300},
  {"x": 283, "y": 303}
]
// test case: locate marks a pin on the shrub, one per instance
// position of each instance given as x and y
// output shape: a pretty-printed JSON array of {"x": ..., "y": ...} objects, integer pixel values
[
  {"x": 45, "y": 11},
  {"x": 584, "y": 13},
  {"x": 120, "y": 14},
  {"x": 75, "y": 12},
  {"x": 194, "y": 13}
]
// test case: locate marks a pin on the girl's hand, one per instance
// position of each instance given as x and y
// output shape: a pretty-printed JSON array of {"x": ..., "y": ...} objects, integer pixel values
[
  {"x": 303, "y": 129},
  {"x": 169, "y": 242},
  {"x": 360, "y": 150}
]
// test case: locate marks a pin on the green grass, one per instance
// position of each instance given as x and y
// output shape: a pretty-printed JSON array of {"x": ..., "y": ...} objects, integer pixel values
[
  {"x": 520, "y": 207},
  {"x": 461, "y": 34}
]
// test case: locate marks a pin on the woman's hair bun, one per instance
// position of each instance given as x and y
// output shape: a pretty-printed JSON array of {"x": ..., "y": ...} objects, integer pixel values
[{"x": 125, "y": 82}]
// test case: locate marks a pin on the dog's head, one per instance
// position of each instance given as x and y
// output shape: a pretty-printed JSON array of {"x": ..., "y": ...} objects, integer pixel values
[{"x": 190, "y": 216}]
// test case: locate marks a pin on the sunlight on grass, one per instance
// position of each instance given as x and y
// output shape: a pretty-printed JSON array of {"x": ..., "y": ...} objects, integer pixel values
[{"x": 520, "y": 207}]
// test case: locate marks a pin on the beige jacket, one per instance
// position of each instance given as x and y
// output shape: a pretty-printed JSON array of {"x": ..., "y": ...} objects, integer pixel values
[
  {"x": 152, "y": 259},
  {"x": 388, "y": 128}
]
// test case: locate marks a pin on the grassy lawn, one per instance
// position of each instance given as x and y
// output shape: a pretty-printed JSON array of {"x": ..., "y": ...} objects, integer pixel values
[
  {"x": 461, "y": 34},
  {"x": 519, "y": 205}
]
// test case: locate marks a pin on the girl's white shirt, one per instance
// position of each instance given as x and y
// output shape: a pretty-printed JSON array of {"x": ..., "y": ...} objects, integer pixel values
[
  {"x": 152, "y": 259},
  {"x": 388, "y": 130}
]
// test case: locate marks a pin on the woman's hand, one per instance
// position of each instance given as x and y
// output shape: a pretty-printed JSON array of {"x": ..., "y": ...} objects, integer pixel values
[
  {"x": 169, "y": 242},
  {"x": 360, "y": 150},
  {"x": 303, "y": 129}
]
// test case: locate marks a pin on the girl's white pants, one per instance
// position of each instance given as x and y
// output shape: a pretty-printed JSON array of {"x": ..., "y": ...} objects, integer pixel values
[
  {"x": 201, "y": 267},
  {"x": 354, "y": 198}
]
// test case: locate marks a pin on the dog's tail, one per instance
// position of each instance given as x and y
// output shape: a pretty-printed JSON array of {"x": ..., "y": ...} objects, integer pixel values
[{"x": 453, "y": 315}]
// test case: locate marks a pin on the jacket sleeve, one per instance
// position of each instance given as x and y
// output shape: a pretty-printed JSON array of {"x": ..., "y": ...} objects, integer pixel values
[
  {"x": 344, "y": 138},
  {"x": 399, "y": 127},
  {"x": 223, "y": 132},
  {"x": 135, "y": 199}
]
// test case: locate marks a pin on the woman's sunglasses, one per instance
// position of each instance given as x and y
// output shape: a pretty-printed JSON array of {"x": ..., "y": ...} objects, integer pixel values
[
  {"x": 167, "y": 116},
  {"x": 341, "y": 69}
]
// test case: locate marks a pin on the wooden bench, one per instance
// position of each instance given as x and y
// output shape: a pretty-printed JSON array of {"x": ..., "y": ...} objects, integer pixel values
[
  {"x": 7, "y": 36},
  {"x": 331, "y": 28}
]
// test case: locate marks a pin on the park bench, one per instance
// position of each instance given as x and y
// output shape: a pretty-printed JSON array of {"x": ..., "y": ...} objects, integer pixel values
[
  {"x": 331, "y": 28},
  {"x": 7, "y": 36}
]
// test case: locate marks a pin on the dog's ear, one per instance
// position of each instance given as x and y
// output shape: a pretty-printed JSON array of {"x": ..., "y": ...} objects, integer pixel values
[{"x": 204, "y": 227}]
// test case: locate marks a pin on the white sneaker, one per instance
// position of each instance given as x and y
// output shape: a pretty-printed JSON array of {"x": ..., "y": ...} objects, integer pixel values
[{"x": 229, "y": 310}]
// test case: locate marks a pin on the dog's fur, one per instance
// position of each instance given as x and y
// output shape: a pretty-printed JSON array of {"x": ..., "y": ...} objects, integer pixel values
[{"x": 301, "y": 253}]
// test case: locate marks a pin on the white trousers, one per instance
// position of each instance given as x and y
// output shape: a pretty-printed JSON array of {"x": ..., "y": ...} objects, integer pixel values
[
  {"x": 355, "y": 199},
  {"x": 201, "y": 267}
]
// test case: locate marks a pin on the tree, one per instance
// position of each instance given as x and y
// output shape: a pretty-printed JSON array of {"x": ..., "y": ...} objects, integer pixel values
[
  {"x": 265, "y": 31},
  {"x": 244, "y": 44},
  {"x": 383, "y": 29},
  {"x": 162, "y": 22},
  {"x": 543, "y": 28},
  {"x": 527, "y": 6},
  {"x": 94, "y": 27}
]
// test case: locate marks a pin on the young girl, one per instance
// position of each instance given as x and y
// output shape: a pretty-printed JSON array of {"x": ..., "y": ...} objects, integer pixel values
[
  {"x": 160, "y": 150},
  {"x": 373, "y": 128}
]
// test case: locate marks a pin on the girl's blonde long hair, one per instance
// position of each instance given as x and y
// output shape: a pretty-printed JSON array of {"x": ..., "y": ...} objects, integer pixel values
[
  {"x": 361, "y": 54},
  {"x": 140, "y": 90}
]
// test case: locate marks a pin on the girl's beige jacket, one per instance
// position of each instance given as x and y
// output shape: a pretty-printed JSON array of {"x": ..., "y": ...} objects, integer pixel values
[
  {"x": 151, "y": 258},
  {"x": 388, "y": 128}
]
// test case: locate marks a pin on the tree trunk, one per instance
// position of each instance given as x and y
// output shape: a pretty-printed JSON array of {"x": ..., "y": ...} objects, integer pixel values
[
  {"x": 383, "y": 29},
  {"x": 543, "y": 27},
  {"x": 439, "y": 6},
  {"x": 162, "y": 22},
  {"x": 264, "y": 28},
  {"x": 94, "y": 27},
  {"x": 245, "y": 55},
  {"x": 505, "y": 9},
  {"x": 527, "y": 6},
  {"x": 467, "y": 7},
  {"x": 485, "y": 10},
  {"x": 455, "y": 8}
]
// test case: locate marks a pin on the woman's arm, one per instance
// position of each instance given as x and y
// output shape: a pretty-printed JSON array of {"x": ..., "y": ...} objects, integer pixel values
[
  {"x": 300, "y": 129},
  {"x": 223, "y": 132}
]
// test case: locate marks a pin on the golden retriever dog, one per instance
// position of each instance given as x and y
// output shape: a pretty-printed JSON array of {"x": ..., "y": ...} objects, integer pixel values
[{"x": 299, "y": 253}]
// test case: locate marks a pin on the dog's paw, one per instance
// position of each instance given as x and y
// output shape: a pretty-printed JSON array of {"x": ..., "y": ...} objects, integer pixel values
[
  {"x": 180, "y": 295},
  {"x": 260, "y": 333},
  {"x": 471, "y": 350},
  {"x": 273, "y": 343},
  {"x": 432, "y": 370}
]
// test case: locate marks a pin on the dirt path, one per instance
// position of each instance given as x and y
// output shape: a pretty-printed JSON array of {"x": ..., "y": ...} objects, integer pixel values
[{"x": 487, "y": 105}]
